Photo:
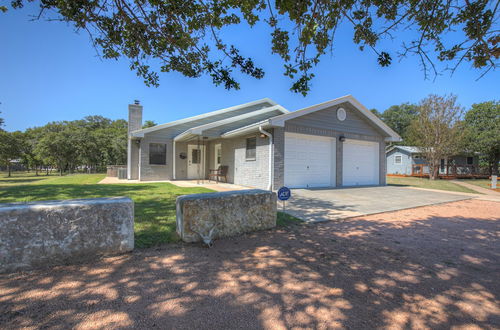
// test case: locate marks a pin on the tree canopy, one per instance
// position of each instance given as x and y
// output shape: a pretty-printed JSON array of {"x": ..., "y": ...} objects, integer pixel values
[
  {"x": 399, "y": 118},
  {"x": 186, "y": 35},
  {"x": 437, "y": 129},
  {"x": 149, "y": 123},
  {"x": 88, "y": 144},
  {"x": 483, "y": 127}
]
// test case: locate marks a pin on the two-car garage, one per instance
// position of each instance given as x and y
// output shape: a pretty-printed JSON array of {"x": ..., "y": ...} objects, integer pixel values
[
  {"x": 311, "y": 161},
  {"x": 339, "y": 143}
]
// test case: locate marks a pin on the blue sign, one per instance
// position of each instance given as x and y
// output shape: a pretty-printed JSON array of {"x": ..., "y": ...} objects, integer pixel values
[{"x": 284, "y": 194}]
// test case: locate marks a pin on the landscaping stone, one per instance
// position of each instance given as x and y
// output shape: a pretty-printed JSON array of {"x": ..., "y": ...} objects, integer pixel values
[
  {"x": 40, "y": 233},
  {"x": 225, "y": 213}
]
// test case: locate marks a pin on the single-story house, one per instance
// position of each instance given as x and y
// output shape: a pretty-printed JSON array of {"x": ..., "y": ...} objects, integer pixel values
[
  {"x": 337, "y": 143},
  {"x": 410, "y": 160}
]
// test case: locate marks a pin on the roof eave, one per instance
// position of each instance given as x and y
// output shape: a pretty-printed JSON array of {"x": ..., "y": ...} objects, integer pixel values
[
  {"x": 205, "y": 115},
  {"x": 247, "y": 129}
]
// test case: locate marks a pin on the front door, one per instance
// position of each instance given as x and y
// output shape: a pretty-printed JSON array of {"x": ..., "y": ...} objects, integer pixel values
[{"x": 196, "y": 165}]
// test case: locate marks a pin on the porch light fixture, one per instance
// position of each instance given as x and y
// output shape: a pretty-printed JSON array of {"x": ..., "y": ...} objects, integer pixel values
[
  {"x": 342, "y": 138},
  {"x": 263, "y": 136}
]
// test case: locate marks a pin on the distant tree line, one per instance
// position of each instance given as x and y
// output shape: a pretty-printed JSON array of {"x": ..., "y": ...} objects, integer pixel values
[{"x": 86, "y": 145}]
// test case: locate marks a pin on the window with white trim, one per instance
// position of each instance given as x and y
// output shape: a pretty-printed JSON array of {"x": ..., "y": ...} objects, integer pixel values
[{"x": 398, "y": 159}]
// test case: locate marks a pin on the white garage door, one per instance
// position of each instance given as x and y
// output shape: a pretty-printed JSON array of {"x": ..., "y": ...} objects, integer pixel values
[
  {"x": 309, "y": 161},
  {"x": 360, "y": 163}
]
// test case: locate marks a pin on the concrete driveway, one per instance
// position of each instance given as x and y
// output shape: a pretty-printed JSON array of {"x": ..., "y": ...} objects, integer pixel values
[{"x": 314, "y": 205}]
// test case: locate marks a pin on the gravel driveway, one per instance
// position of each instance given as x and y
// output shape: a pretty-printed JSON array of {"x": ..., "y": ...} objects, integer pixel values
[{"x": 429, "y": 267}]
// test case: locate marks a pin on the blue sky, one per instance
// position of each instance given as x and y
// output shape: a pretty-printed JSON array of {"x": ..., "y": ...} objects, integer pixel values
[{"x": 50, "y": 73}]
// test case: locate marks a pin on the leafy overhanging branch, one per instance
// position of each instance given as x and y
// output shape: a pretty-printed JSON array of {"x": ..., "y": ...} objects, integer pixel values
[{"x": 185, "y": 36}]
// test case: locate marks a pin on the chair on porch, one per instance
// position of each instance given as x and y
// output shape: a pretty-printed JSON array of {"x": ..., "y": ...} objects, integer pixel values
[{"x": 221, "y": 172}]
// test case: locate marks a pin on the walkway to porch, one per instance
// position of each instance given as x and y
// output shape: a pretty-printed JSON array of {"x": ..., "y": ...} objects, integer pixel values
[{"x": 181, "y": 183}]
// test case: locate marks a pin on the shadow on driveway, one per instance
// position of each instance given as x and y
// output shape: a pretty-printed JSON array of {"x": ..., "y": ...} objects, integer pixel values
[{"x": 432, "y": 267}]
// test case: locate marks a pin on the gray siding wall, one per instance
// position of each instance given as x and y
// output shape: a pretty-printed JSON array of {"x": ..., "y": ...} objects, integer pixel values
[
  {"x": 279, "y": 157},
  {"x": 355, "y": 122},
  {"x": 406, "y": 162}
]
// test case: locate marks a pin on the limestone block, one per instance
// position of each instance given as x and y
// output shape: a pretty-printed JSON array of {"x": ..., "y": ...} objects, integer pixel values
[
  {"x": 231, "y": 213},
  {"x": 40, "y": 233}
]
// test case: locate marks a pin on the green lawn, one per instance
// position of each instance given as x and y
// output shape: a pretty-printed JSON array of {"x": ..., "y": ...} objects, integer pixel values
[
  {"x": 426, "y": 183},
  {"x": 154, "y": 202},
  {"x": 485, "y": 183}
]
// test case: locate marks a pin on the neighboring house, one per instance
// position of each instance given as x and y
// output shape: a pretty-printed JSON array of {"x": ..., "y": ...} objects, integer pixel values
[
  {"x": 333, "y": 144},
  {"x": 409, "y": 160}
]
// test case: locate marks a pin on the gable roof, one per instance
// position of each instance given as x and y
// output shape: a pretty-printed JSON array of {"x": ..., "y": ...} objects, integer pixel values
[
  {"x": 409, "y": 149},
  {"x": 280, "y": 120},
  {"x": 266, "y": 102},
  {"x": 392, "y": 136}
]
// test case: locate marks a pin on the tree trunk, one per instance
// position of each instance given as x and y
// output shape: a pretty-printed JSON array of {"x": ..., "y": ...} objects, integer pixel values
[
  {"x": 8, "y": 168},
  {"x": 434, "y": 172},
  {"x": 36, "y": 170}
]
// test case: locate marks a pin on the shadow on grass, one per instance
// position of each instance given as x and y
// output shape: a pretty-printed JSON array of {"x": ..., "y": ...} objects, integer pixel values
[
  {"x": 20, "y": 180},
  {"x": 431, "y": 272}
]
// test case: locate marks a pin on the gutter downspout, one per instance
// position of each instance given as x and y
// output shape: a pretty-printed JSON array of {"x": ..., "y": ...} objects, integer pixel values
[
  {"x": 173, "y": 160},
  {"x": 271, "y": 157}
]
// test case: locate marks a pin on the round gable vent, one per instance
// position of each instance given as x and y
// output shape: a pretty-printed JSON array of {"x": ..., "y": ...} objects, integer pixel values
[{"x": 341, "y": 114}]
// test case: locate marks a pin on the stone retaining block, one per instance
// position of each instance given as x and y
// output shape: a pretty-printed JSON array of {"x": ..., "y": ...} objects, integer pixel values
[
  {"x": 232, "y": 213},
  {"x": 40, "y": 233}
]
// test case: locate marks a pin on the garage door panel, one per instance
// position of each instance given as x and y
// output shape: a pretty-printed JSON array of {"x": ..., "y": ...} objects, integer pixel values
[
  {"x": 360, "y": 163},
  {"x": 308, "y": 161}
]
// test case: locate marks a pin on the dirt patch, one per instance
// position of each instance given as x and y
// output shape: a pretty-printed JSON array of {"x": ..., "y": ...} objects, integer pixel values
[{"x": 429, "y": 267}]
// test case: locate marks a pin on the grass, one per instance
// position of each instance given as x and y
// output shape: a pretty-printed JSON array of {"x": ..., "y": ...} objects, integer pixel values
[
  {"x": 429, "y": 184},
  {"x": 285, "y": 219},
  {"x": 485, "y": 183},
  {"x": 154, "y": 202}
]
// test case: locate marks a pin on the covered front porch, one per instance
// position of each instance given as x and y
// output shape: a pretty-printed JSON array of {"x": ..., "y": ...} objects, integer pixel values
[{"x": 194, "y": 159}]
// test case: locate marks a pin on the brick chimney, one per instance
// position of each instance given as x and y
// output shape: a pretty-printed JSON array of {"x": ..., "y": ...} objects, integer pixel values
[
  {"x": 134, "y": 123},
  {"x": 134, "y": 116}
]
